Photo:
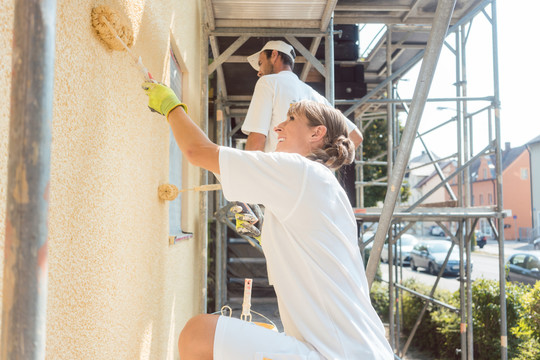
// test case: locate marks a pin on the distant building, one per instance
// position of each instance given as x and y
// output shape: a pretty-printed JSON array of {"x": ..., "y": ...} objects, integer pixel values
[
  {"x": 520, "y": 195},
  {"x": 428, "y": 183},
  {"x": 420, "y": 168},
  {"x": 517, "y": 192},
  {"x": 422, "y": 179}
]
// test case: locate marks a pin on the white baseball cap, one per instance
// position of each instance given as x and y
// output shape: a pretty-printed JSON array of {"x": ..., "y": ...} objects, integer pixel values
[{"x": 278, "y": 45}]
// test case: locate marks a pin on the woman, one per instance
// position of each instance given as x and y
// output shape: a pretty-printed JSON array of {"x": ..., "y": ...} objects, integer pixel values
[{"x": 309, "y": 240}]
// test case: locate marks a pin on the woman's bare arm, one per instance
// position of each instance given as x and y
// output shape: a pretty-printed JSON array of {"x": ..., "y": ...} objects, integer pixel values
[{"x": 193, "y": 142}]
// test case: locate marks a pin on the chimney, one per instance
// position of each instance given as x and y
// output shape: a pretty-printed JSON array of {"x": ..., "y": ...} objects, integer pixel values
[{"x": 506, "y": 146}]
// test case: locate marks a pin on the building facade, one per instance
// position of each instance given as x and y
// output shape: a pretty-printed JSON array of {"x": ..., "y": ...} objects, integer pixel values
[
  {"x": 118, "y": 287},
  {"x": 534, "y": 154}
]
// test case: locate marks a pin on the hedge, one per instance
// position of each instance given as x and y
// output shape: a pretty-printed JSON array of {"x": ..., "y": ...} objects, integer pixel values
[{"x": 439, "y": 330}]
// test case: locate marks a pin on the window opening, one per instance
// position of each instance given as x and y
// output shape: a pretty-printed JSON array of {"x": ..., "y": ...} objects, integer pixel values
[{"x": 175, "y": 161}]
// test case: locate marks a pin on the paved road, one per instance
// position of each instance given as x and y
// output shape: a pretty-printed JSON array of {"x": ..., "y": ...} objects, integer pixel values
[{"x": 485, "y": 265}]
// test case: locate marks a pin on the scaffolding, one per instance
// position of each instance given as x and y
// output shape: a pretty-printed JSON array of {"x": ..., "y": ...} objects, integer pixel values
[
  {"x": 393, "y": 56},
  {"x": 439, "y": 19}
]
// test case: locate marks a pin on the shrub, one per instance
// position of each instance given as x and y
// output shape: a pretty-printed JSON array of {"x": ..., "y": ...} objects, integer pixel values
[
  {"x": 439, "y": 330},
  {"x": 380, "y": 299},
  {"x": 529, "y": 323},
  {"x": 528, "y": 349},
  {"x": 427, "y": 336},
  {"x": 528, "y": 327},
  {"x": 486, "y": 317},
  {"x": 448, "y": 324}
]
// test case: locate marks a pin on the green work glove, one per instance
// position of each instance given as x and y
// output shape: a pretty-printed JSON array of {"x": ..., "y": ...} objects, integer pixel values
[{"x": 161, "y": 98}]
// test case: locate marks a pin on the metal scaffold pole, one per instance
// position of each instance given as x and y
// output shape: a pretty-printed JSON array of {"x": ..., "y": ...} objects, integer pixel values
[
  {"x": 438, "y": 33},
  {"x": 459, "y": 121},
  {"x": 203, "y": 175},
  {"x": 389, "y": 157},
  {"x": 500, "y": 223},
  {"x": 221, "y": 230},
  {"x": 25, "y": 268},
  {"x": 329, "y": 62}
]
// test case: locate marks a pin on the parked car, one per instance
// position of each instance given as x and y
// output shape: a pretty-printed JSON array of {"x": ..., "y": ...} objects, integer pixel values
[
  {"x": 404, "y": 246},
  {"x": 524, "y": 268},
  {"x": 481, "y": 239},
  {"x": 437, "y": 231},
  {"x": 536, "y": 243},
  {"x": 430, "y": 255}
]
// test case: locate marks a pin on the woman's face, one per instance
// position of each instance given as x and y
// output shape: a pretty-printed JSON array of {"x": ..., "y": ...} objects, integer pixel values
[{"x": 295, "y": 136}]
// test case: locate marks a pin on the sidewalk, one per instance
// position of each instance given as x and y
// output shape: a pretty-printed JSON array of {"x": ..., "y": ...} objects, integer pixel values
[{"x": 510, "y": 247}]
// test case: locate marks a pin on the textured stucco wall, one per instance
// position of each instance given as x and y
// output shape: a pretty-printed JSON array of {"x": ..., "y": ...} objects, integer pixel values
[{"x": 117, "y": 290}]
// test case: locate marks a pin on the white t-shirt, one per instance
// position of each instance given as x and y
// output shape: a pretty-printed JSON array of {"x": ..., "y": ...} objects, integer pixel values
[
  {"x": 272, "y": 97},
  {"x": 309, "y": 239}
]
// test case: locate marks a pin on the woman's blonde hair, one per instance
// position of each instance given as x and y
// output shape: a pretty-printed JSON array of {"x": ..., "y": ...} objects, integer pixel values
[{"x": 337, "y": 149}]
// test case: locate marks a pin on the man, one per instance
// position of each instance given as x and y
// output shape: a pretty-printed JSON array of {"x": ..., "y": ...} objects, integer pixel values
[
  {"x": 277, "y": 88},
  {"x": 275, "y": 91}
]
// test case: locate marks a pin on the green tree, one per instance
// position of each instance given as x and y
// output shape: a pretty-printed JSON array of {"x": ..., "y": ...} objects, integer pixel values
[{"x": 375, "y": 144}]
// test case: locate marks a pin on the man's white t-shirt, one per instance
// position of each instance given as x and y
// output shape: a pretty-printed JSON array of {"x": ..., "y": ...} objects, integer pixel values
[
  {"x": 272, "y": 97},
  {"x": 309, "y": 239}
]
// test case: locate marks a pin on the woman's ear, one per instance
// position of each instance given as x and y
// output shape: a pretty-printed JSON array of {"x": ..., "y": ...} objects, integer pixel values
[{"x": 318, "y": 133}]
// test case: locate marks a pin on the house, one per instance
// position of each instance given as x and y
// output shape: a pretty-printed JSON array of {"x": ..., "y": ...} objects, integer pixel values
[
  {"x": 419, "y": 168},
  {"x": 517, "y": 185},
  {"x": 429, "y": 182},
  {"x": 516, "y": 190},
  {"x": 119, "y": 287},
  {"x": 425, "y": 179}
]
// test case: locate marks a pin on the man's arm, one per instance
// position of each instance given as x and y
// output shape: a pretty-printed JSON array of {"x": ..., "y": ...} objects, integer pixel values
[
  {"x": 259, "y": 116},
  {"x": 255, "y": 141},
  {"x": 356, "y": 137}
]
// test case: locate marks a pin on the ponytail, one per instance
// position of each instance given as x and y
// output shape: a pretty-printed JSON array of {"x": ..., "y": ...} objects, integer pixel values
[
  {"x": 336, "y": 154},
  {"x": 337, "y": 149}
]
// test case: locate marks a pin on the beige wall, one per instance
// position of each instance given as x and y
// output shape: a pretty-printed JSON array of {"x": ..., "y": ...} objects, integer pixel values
[{"x": 117, "y": 289}]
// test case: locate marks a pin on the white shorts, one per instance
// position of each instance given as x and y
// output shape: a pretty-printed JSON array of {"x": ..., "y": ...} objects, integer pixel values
[{"x": 240, "y": 340}]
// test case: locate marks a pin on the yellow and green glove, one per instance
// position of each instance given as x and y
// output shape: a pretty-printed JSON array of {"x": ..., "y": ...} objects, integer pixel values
[
  {"x": 161, "y": 99},
  {"x": 246, "y": 220}
]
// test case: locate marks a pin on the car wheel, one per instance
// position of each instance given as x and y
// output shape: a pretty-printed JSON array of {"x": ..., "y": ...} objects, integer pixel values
[
  {"x": 537, "y": 246},
  {"x": 413, "y": 266},
  {"x": 481, "y": 245},
  {"x": 431, "y": 269}
]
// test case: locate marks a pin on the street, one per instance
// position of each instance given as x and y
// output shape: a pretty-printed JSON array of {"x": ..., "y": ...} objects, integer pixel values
[{"x": 485, "y": 265}]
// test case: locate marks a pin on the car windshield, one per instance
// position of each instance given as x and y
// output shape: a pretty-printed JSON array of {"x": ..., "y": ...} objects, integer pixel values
[{"x": 439, "y": 247}]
